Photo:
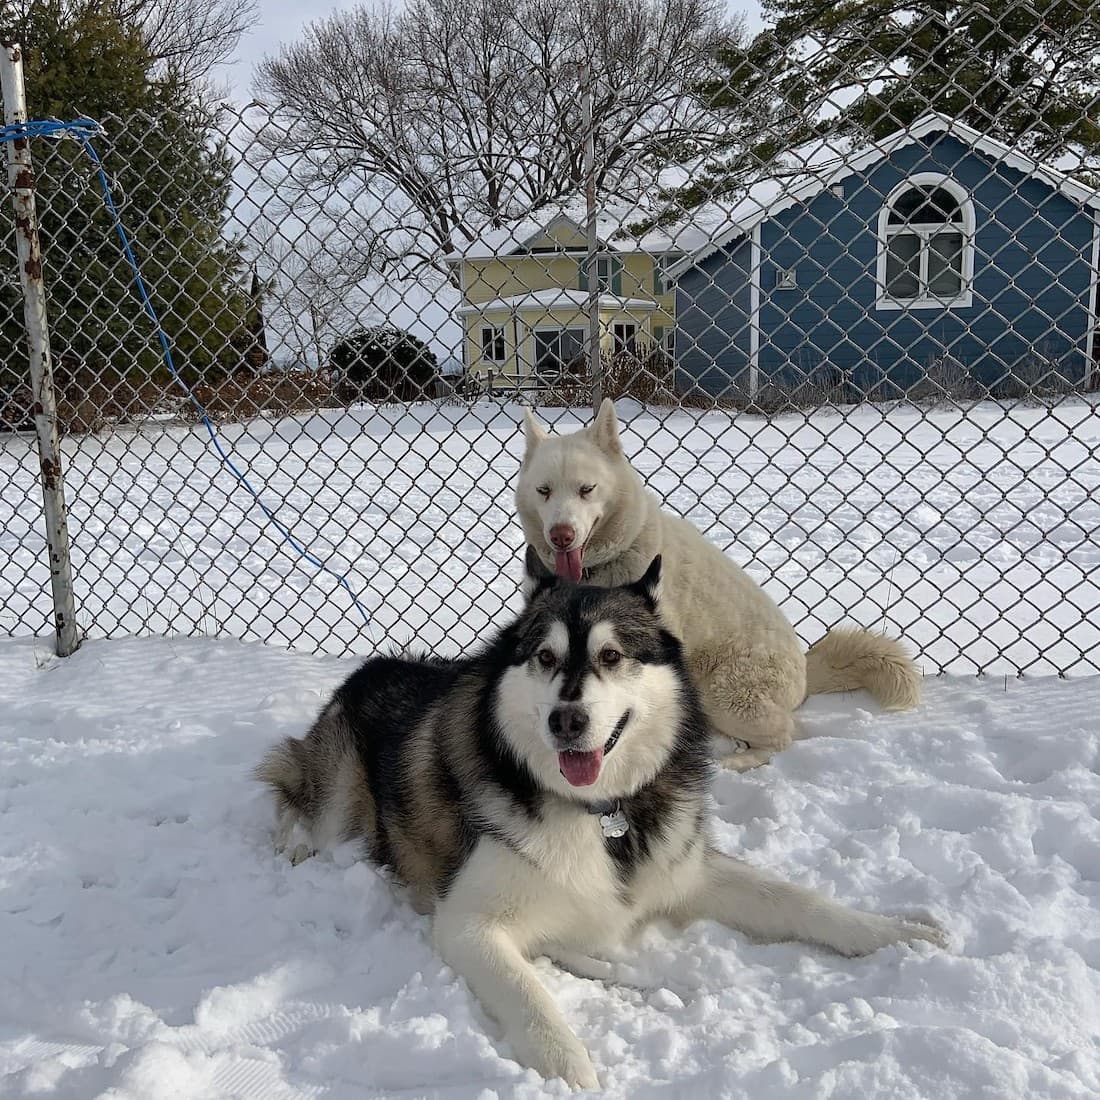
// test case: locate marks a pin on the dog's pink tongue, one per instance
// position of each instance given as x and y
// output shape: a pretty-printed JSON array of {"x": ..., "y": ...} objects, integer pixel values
[
  {"x": 581, "y": 769},
  {"x": 568, "y": 563}
]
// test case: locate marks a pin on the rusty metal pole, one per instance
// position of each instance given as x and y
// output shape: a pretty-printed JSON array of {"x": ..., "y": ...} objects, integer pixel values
[{"x": 21, "y": 182}]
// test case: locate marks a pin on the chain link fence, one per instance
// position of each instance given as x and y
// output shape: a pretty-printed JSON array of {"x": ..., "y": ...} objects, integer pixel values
[{"x": 840, "y": 277}]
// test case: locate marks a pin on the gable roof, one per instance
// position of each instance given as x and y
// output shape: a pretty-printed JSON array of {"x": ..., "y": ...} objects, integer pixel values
[
  {"x": 772, "y": 192},
  {"x": 516, "y": 239},
  {"x": 556, "y": 298}
]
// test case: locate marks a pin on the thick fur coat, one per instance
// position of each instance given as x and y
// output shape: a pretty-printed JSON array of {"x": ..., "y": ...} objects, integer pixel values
[
  {"x": 545, "y": 796},
  {"x": 588, "y": 513}
]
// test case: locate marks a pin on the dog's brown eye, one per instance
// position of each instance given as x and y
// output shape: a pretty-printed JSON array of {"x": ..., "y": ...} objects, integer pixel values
[
  {"x": 546, "y": 658},
  {"x": 584, "y": 490},
  {"x": 609, "y": 657},
  {"x": 543, "y": 491}
]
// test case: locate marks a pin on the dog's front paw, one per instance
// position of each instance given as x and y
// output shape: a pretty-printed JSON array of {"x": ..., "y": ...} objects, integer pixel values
[
  {"x": 557, "y": 1055},
  {"x": 924, "y": 928},
  {"x": 874, "y": 933},
  {"x": 745, "y": 759}
]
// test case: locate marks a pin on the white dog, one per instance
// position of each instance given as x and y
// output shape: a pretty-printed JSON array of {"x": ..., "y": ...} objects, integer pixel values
[{"x": 586, "y": 511}]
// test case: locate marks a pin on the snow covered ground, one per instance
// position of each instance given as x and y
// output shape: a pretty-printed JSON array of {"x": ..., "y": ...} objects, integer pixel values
[
  {"x": 970, "y": 532},
  {"x": 152, "y": 945}
]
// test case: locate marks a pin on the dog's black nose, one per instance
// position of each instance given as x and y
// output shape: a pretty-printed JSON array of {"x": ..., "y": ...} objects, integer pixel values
[{"x": 568, "y": 721}]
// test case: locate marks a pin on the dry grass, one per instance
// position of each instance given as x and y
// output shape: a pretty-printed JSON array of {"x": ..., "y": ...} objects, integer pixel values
[
  {"x": 92, "y": 403},
  {"x": 647, "y": 376},
  {"x": 242, "y": 397}
]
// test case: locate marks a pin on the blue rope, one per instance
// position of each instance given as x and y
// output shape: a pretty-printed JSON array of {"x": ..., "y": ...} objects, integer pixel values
[{"x": 83, "y": 129}]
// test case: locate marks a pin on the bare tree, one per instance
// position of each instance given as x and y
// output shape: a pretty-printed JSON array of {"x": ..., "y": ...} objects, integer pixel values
[
  {"x": 190, "y": 37},
  {"x": 187, "y": 37},
  {"x": 449, "y": 116},
  {"x": 309, "y": 302}
]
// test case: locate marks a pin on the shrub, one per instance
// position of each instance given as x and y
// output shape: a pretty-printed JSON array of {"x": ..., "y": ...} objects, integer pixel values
[{"x": 383, "y": 364}]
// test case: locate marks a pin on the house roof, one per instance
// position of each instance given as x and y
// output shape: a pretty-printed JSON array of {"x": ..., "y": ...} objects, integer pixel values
[
  {"x": 819, "y": 165},
  {"x": 515, "y": 239},
  {"x": 556, "y": 298}
]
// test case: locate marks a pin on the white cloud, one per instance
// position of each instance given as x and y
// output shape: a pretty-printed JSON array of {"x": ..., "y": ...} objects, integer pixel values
[{"x": 279, "y": 23}]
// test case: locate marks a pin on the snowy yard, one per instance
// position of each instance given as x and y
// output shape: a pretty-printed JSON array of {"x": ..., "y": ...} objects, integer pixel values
[
  {"x": 153, "y": 946},
  {"x": 928, "y": 523}
]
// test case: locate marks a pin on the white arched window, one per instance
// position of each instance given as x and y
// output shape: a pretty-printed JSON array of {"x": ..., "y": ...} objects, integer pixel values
[{"x": 926, "y": 245}]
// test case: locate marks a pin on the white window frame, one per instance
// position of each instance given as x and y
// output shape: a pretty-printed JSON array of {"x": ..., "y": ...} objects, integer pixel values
[
  {"x": 965, "y": 297},
  {"x": 660, "y": 277},
  {"x": 668, "y": 341},
  {"x": 605, "y": 272},
  {"x": 499, "y": 336},
  {"x": 630, "y": 347},
  {"x": 557, "y": 332}
]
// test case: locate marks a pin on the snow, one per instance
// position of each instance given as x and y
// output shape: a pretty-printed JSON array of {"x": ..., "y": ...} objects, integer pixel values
[
  {"x": 152, "y": 945},
  {"x": 970, "y": 532},
  {"x": 559, "y": 298},
  {"x": 613, "y": 219}
]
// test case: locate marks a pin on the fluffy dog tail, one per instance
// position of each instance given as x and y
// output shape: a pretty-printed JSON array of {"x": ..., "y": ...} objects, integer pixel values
[
  {"x": 849, "y": 658},
  {"x": 305, "y": 773},
  {"x": 320, "y": 786},
  {"x": 283, "y": 769}
]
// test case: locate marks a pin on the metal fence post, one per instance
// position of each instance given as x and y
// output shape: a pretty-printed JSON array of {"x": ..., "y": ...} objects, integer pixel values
[
  {"x": 21, "y": 182},
  {"x": 591, "y": 261}
]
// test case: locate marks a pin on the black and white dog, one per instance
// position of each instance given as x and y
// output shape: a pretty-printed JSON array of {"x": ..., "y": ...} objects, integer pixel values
[{"x": 545, "y": 796}]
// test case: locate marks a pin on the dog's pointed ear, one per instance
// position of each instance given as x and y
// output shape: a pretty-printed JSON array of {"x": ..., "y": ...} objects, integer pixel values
[
  {"x": 533, "y": 431},
  {"x": 604, "y": 430},
  {"x": 650, "y": 584},
  {"x": 535, "y": 574}
]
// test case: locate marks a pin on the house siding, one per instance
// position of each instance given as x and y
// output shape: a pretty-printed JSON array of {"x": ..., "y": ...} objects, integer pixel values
[
  {"x": 488, "y": 279},
  {"x": 1030, "y": 297},
  {"x": 713, "y": 314},
  {"x": 520, "y": 326},
  {"x": 510, "y": 276}
]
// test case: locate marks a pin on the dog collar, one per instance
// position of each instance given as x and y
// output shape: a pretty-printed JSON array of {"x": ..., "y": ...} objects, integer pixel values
[
  {"x": 613, "y": 821},
  {"x": 617, "y": 732}
]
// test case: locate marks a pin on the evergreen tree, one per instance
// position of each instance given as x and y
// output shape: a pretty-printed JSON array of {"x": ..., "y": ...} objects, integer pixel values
[
  {"x": 171, "y": 182},
  {"x": 765, "y": 110},
  {"x": 1025, "y": 72},
  {"x": 383, "y": 364}
]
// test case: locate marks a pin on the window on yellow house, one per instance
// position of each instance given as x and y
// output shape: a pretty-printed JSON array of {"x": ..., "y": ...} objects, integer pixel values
[
  {"x": 625, "y": 337},
  {"x": 559, "y": 349},
  {"x": 492, "y": 344},
  {"x": 605, "y": 270}
]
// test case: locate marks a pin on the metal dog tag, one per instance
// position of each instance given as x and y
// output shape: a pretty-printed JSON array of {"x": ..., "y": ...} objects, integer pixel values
[{"x": 614, "y": 824}]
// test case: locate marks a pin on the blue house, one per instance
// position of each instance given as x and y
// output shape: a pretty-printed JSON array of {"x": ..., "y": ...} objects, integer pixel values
[{"x": 937, "y": 249}]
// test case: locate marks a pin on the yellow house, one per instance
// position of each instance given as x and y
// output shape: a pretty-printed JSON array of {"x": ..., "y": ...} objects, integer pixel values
[{"x": 525, "y": 298}]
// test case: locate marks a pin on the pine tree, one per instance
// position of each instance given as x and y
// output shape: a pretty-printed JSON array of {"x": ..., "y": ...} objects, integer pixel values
[
  {"x": 765, "y": 109},
  {"x": 1024, "y": 72},
  {"x": 171, "y": 182}
]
